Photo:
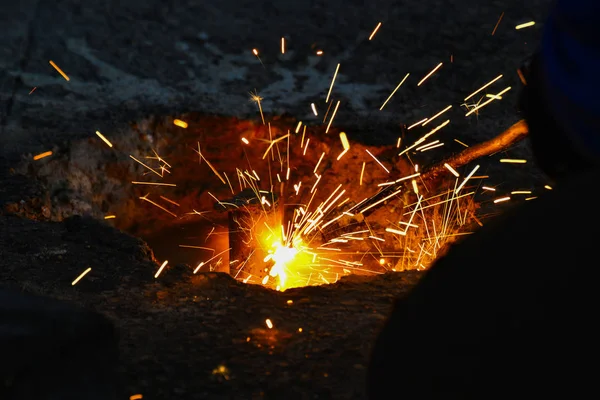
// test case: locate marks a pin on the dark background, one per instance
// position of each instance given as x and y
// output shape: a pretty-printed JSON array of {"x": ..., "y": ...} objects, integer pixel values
[{"x": 131, "y": 59}]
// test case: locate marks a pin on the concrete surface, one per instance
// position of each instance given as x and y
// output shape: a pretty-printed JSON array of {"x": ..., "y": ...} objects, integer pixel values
[{"x": 128, "y": 59}]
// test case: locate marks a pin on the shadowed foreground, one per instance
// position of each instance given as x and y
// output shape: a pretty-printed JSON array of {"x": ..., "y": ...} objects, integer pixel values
[{"x": 204, "y": 336}]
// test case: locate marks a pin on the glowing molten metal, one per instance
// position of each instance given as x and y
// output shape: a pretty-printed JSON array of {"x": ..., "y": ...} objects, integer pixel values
[
  {"x": 289, "y": 260},
  {"x": 282, "y": 255}
]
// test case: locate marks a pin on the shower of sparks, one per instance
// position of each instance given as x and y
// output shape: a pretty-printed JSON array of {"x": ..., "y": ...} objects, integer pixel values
[
  {"x": 196, "y": 247},
  {"x": 212, "y": 168},
  {"x": 416, "y": 124},
  {"x": 153, "y": 183},
  {"x": 33, "y": 90},
  {"x": 319, "y": 52},
  {"x": 496, "y": 96},
  {"x": 431, "y": 147},
  {"x": 452, "y": 170},
  {"x": 104, "y": 139},
  {"x": 136, "y": 397},
  {"x": 257, "y": 99},
  {"x": 378, "y": 162},
  {"x": 362, "y": 171},
  {"x": 110, "y": 216},
  {"x": 437, "y": 115},
  {"x": 207, "y": 262},
  {"x": 430, "y": 73},
  {"x": 60, "y": 71},
  {"x": 498, "y": 23},
  {"x": 164, "y": 264},
  {"x": 424, "y": 137},
  {"x": 483, "y": 87},
  {"x": 332, "y": 83},
  {"x": 84, "y": 273},
  {"x": 548, "y": 187},
  {"x": 301, "y": 226},
  {"x": 269, "y": 323},
  {"x": 332, "y": 116},
  {"x": 146, "y": 166},
  {"x": 394, "y": 91},
  {"x": 145, "y": 198},
  {"x": 344, "y": 140},
  {"x": 525, "y": 25},
  {"x": 521, "y": 192},
  {"x": 42, "y": 155},
  {"x": 170, "y": 201},
  {"x": 466, "y": 179},
  {"x": 375, "y": 31},
  {"x": 180, "y": 123},
  {"x": 255, "y": 52},
  {"x": 513, "y": 161}
]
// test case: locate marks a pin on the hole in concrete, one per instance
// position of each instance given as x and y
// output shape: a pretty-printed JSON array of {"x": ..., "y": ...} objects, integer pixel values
[{"x": 173, "y": 187}]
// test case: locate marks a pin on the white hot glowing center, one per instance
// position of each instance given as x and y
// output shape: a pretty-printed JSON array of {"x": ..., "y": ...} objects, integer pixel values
[{"x": 281, "y": 255}]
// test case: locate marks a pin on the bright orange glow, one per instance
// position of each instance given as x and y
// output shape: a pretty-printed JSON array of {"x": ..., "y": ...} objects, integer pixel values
[
  {"x": 289, "y": 261},
  {"x": 42, "y": 155},
  {"x": 60, "y": 71},
  {"x": 180, "y": 123},
  {"x": 525, "y": 25}
]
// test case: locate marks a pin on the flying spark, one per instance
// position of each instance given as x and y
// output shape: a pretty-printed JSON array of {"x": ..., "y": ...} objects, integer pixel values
[
  {"x": 525, "y": 25},
  {"x": 375, "y": 31},
  {"x": 430, "y": 73},
  {"x": 42, "y": 155},
  {"x": 332, "y": 83},
  {"x": 104, "y": 139},
  {"x": 60, "y": 71},
  {"x": 164, "y": 264},
  {"x": 502, "y": 199},
  {"x": 498, "y": 23},
  {"x": 84, "y": 273},
  {"x": 394, "y": 91},
  {"x": 180, "y": 123}
]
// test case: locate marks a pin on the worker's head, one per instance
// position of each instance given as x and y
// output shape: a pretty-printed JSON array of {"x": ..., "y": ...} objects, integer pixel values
[{"x": 561, "y": 100}]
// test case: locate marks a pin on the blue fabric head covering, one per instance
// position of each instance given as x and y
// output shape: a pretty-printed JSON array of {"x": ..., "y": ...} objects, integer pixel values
[{"x": 570, "y": 63}]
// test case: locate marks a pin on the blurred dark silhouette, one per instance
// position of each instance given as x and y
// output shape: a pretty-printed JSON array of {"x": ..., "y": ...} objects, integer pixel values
[
  {"x": 50, "y": 350},
  {"x": 510, "y": 311}
]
